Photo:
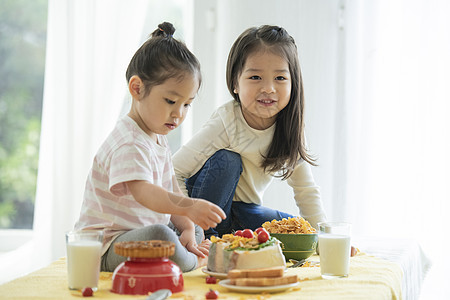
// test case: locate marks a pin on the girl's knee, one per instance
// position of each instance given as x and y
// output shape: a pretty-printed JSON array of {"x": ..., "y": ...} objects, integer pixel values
[
  {"x": 159, "y": 232},
  {"x": 199, "y": 234},
  {"x": 231, "y": 160}
]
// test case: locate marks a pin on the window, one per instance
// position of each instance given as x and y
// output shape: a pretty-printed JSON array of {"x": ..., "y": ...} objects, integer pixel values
[{"x": 23, "y": 29}]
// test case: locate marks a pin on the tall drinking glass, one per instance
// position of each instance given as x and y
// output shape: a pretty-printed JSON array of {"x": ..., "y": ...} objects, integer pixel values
[
  {"x": 334, "y": 249},
  {"x": 84, "y": 249}
]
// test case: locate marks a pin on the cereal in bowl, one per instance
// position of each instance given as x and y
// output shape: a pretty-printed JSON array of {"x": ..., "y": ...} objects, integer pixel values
[{"x": 290, "y": 225}]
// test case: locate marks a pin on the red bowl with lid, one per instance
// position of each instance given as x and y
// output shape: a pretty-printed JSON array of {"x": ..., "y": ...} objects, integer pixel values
[{"x": 147, "y": 268}]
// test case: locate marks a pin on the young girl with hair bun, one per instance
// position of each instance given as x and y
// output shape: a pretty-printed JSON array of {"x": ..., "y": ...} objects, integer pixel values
[
  {"x": 131, "y": 191},
  {"x": 255, "y": 137}
]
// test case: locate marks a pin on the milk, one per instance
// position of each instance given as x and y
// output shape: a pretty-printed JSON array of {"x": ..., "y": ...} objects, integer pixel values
[
  {"x": 83, "y": 263},
  {"x": 334, "y": 250}
]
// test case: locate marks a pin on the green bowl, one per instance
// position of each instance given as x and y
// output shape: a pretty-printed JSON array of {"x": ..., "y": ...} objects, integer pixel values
[{"x": 297, "y": 246}]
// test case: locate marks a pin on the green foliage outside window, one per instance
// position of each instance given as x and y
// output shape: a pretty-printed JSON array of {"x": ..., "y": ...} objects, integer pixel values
[{"x": 23, "y": 28}]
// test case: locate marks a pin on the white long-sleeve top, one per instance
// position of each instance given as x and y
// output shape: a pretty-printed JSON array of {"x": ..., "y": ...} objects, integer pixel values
[{"x": 227, "y": 129}]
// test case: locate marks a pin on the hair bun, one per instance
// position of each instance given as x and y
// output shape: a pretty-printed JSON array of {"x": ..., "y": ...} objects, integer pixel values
[{"x": 164, "y": 29}]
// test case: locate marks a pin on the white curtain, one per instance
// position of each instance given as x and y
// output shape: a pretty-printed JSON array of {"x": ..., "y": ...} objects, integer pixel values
[
  {"x": 89, "y": 44},
  {"x": 397, "y": 140}
]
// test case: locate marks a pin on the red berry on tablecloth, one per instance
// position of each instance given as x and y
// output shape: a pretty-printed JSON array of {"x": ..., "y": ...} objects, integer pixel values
[
  {"x": 87, "y": 292},
  {"x": 211, "y": 280},
  {"x": 212, "y": 294}
]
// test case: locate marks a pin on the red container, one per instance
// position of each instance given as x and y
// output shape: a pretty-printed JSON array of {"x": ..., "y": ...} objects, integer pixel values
[{"x": 139, "y": 276}]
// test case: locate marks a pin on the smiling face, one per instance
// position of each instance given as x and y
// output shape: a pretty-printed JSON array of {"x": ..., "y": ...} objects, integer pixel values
[
  {"x": 264, "y": 88},
  {"x": 165, "y": 106}
]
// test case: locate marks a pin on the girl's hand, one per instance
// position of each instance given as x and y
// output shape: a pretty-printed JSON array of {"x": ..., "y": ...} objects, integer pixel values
[{"x": 205, "y": 214}]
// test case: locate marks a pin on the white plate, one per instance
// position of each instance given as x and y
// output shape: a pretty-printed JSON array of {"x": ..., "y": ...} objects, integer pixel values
[
  {"x": 256, "y": 289},
  {"x": 217, "y": 275}
]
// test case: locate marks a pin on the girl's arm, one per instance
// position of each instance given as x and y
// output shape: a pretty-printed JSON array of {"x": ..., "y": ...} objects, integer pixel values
[
  {"x": 307, "y": 194},
  {"x": 187, "y": 229},
  {"x": 181, "y": 223},
  {"x": 156, "y": 198}
]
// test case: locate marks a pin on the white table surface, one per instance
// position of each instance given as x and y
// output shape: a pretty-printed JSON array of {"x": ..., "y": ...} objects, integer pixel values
[{"x": 406, "y": 252}]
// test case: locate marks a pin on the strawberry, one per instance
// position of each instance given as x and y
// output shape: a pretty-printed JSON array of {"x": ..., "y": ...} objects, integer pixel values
[
  {"x": 257, "y": 230},
  {"x": 211, "y": 280},
  {"x": 247, "y": 233},
  {"x": 263, "y": 236},
  {"x": 212, "y": 294},
  {"x": 238, "y": 233},
  {"x": 87, "y": 292}
]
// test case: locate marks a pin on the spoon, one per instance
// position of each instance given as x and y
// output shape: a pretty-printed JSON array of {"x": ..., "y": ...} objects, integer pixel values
[
  {"x": 297, "y": 263},
  {"x": 160, "y": 295}
]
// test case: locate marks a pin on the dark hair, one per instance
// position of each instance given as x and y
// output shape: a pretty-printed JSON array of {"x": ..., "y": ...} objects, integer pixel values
[
  {"x": 288, "y": 143},
  {"x": 162, "y": 57}
]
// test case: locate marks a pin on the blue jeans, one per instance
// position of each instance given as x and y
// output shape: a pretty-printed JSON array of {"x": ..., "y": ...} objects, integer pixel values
[{"x": 216, "y": 181}]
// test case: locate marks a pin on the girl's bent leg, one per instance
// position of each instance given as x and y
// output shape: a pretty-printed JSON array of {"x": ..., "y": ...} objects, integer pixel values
[
  {"x": 246, "y": 215},
  {"x": 186, "y": 260},
  {"x": 199, "y": 234},
  {"x": 216, "y": 182}
]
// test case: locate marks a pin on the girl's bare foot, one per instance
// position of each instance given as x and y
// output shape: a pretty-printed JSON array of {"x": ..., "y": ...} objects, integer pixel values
[
  {"x": 203, "y": 261},
  {"x": 205, "y": 243}
]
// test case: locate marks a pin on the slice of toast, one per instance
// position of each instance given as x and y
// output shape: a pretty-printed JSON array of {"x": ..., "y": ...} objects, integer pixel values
[
  {"x": 255, "y": 273},
  {"x": 264, "y": 281}
]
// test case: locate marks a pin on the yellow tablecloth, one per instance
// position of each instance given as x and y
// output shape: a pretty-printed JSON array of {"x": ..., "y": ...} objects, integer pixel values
[{"x": 370, "y": 278}]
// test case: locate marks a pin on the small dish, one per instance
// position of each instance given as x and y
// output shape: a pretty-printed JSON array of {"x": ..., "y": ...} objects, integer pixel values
[
  {"x": 257, "y": 289},
  {"x": 217, "y": 275}
]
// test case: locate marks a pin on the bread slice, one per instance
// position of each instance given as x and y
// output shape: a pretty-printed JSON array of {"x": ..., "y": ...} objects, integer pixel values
[
  {"x": 255, "y": 273},
  {"x": 264, "y": 281}
]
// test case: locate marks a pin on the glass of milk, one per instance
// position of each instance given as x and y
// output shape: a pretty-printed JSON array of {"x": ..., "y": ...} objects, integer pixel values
[
  {"x": 334, "y": 249},
  {"x": 84, "y": 249}
]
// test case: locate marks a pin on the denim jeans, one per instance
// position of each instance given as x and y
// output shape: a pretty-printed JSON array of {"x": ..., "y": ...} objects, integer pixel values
[{"x": 216, "y": 181}]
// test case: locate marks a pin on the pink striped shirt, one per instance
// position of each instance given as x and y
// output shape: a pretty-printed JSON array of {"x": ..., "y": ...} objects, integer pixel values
[{"x": 127, "y": 154}]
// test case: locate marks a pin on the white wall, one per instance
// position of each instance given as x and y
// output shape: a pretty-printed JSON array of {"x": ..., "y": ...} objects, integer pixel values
[{"x": 315, "y": 28}]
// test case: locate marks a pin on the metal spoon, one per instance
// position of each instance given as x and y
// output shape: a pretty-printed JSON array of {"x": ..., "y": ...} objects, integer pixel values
[
  {"x": 297, "y": 263},
  {"x": 160, "y": 295}
]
